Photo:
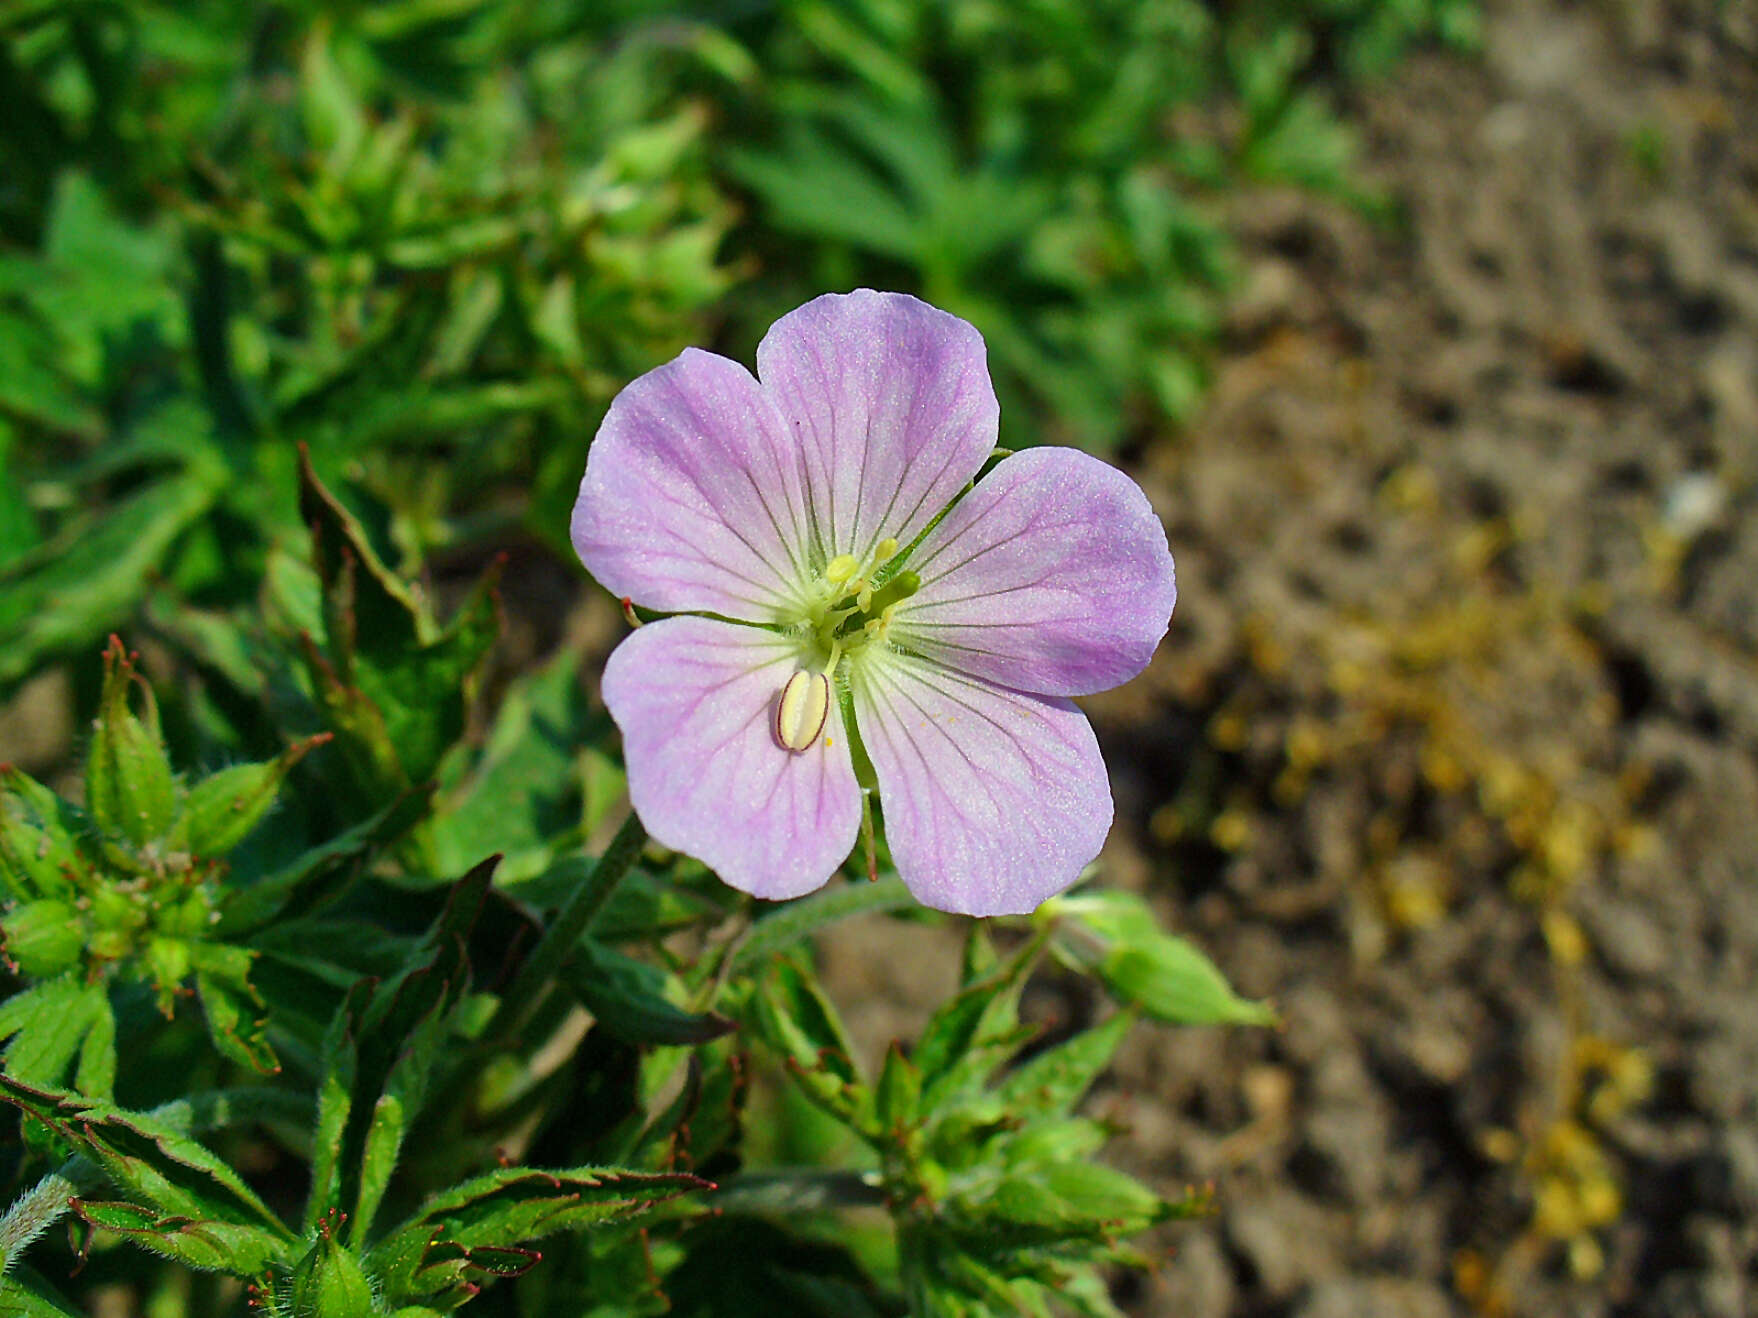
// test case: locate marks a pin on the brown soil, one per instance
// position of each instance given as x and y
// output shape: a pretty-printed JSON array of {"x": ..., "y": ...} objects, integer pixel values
[{"x": 1453, "y": 748}]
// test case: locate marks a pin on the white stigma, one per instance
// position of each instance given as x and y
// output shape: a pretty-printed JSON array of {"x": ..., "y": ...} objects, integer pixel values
[{"x": 801, "y": 710}]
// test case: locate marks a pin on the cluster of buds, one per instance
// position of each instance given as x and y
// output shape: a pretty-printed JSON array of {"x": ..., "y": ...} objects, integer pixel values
[{"x": 131, "y": 879}]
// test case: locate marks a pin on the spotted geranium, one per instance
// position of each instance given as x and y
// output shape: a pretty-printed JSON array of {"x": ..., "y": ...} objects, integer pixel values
[{"x": 850, "y": 608}]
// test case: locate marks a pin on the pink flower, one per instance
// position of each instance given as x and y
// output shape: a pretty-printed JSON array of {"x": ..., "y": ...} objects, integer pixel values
[{"x": 850, "y": 608}]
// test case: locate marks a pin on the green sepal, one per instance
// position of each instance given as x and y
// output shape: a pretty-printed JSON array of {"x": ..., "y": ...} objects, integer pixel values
[
  {"x": 42, "y": 938},
  {"x": 236, "y": 1022},
  {"x": 898, "y": 1095},
  {"x": 221, "y": 810},
  {"x": 1115, "y": 936},
  {"x": 330, "y": 1283},
  {"x": 129, "y": 787},
  {"x": 43, "y": 839},
  {"x": 1060, "y": 1201}
]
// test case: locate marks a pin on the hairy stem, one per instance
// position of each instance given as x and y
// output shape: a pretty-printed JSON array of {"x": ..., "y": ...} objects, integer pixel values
[{"x": 40, "y": 1207}]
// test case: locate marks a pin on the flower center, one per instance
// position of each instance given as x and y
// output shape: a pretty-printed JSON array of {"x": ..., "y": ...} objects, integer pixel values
[{"x": 848, "y": 609}]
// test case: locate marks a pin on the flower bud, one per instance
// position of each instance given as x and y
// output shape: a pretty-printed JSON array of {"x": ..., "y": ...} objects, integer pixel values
[{"x": 42, "y": 938}]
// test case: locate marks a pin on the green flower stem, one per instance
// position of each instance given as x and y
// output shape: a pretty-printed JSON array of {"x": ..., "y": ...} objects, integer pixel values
[{"x": 583, "y": 906}]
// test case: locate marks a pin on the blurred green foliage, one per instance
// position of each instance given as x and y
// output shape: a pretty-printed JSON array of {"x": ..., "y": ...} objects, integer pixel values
[
  {"x": 1052, "y": 170},
  {"x": 430, "y": 239}
]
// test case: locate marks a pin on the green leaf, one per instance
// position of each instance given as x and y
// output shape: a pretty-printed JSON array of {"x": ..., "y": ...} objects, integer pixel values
[
  {"x": 334, "y": 120},
  {"x": 394, "y": 690},
  {"x": 628, "y": 998},
  {"x": 477, "y": 1227},
  {"x": 523, "y": 796},
  {"x": 792, "y": 1016},
  {"x": 974, "y": 1031},
  {"x": 222, "y": 809},
  {"x": 54, "y": 1022},
  {"x": 320, "y": 872},
  {"x": 96, "y": 1072},
  {"x": 378, "y": 1052},
  {"x": 27, "y": 1295},
  {"x": 335, "y": 1104},
  {"x": 128, "y": 784},
  {"x": 1051, "y": 1083}
]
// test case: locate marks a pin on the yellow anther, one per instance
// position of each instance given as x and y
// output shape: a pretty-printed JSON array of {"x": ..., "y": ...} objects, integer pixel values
[
  {"x": 840, "y": 569},
  {"x": 801, "y": 710},
  {"x": 884, "y": 550}
]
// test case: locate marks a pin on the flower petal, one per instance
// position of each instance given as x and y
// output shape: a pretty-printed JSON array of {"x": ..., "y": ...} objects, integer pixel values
[
  {"x": 994, "y": 799},
  {"x": 695, "y": 699},
  {"x": 1051, "y": 575},
  {"x": 692, "y": 495},
  {"x": 891, "y": 404}
]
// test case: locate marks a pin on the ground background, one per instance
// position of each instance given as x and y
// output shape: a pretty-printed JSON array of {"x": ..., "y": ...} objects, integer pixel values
[{"x": 1464, "y": 660}]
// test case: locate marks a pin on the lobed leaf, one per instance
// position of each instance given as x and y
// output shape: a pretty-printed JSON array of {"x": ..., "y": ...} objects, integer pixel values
[
  {"x": 183, "y": 1201},
  {"x": 478, "y": 1226},
  {"x": 209, "y": 1244}
]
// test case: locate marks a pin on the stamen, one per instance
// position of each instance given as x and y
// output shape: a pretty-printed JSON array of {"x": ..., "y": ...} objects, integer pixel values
[
  {"x": 801, "y": 710},
  {"x": 840, "y": 569}
]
